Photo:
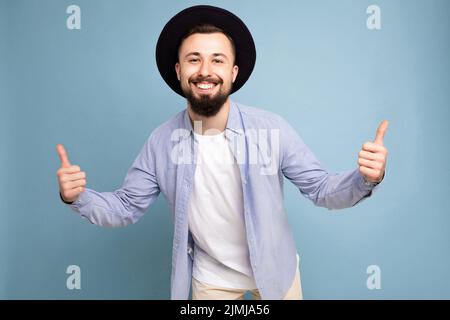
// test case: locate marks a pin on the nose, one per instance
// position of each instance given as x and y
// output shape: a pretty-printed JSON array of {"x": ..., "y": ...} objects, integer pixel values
[{"x": 205, "y": 69}]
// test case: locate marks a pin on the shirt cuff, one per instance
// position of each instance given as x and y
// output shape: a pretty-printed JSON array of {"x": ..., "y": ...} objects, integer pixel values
[
  {"x": 82, "y": 200},
  {"x": 367, "y": 185}
]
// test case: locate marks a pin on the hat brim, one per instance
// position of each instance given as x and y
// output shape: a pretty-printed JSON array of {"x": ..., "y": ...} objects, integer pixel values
[{"x": 170, "y": 38}]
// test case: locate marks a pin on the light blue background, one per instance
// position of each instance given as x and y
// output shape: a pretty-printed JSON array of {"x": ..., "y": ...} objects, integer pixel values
[{"x": 97, "y": 90}]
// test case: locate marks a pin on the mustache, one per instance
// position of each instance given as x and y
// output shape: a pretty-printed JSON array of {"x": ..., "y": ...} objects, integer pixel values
[{"x": 206, "y": 79}]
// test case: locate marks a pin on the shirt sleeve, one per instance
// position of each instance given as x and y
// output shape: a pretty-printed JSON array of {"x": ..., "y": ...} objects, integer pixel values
[
  {"x": 330, "y": 190},
  {"x": 128, "y": 203}
]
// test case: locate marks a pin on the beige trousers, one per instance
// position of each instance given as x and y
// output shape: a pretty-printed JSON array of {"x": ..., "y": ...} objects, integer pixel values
[{"x": 204, "y": 291}]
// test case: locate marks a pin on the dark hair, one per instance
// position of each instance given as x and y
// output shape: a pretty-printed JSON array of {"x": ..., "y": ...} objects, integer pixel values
[{"x": 205, "y": 29}]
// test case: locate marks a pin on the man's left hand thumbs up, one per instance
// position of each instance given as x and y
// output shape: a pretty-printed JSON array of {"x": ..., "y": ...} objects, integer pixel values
[{"x": 372, "y": 157}]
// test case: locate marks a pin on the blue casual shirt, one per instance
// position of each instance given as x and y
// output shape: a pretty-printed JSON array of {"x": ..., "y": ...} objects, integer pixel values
[{"x": 267, "y": 149}]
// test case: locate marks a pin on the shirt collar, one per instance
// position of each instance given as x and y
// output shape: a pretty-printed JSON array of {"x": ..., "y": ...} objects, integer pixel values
[{"x": 234, "y": 122}]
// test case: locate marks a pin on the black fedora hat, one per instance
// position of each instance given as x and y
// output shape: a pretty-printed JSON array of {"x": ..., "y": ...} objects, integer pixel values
[{"x": 170, "y": 39}]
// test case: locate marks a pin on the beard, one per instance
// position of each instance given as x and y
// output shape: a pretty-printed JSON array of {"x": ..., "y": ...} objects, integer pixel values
[{"x": 207, "y": 105}]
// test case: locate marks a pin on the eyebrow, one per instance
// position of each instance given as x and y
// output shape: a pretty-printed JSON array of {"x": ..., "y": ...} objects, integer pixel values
[{"x": 198, "y": 54}]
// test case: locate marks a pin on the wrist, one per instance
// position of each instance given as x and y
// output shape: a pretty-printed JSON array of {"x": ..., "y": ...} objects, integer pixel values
[
  {"x": 372, "y": 183},
  {"x": 62, "y": 199}
]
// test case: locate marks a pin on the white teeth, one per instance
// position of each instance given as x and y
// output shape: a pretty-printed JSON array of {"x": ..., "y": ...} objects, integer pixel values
[{"x": 205, "y": 85}]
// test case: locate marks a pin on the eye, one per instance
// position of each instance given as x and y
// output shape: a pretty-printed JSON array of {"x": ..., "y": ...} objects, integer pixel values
[
  {"x": 193, "y": 60},
  {"x": 217, "y": 61}
]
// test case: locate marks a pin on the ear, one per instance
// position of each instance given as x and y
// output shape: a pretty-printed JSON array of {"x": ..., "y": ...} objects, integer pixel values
[
  {"x": 177, "y": 70},
  {"x": 235, "y": 72}
]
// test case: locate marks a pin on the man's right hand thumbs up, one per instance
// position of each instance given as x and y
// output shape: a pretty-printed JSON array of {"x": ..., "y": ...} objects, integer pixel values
[{"x": 72, "y": 181}]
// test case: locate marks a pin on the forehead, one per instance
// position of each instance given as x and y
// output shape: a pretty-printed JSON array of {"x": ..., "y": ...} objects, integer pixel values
[{"x": 206, "y": 43}]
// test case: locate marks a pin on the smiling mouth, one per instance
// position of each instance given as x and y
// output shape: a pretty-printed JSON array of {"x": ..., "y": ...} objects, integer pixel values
[{"x": 204, "y": 86}]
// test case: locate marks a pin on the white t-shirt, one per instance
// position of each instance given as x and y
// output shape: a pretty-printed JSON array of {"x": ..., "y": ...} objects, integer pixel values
[{"x": 216, "y": 217}]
